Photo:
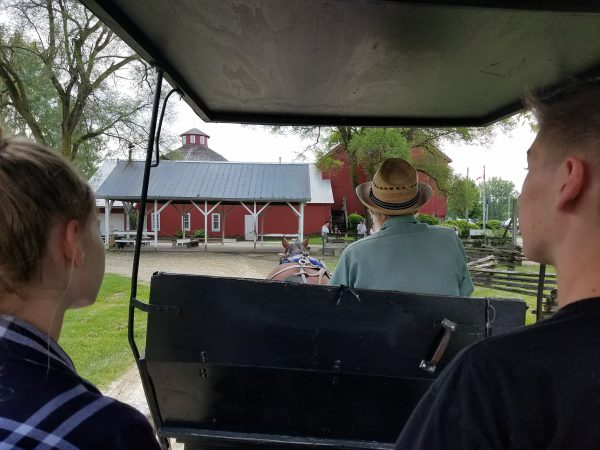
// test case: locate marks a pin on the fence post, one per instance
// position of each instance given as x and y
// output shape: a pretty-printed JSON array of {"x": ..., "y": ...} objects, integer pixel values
[{"x": 515, "y": 214}]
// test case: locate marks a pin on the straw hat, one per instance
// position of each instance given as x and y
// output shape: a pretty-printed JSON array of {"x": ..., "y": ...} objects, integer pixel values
[{"x": 394, "y": 190}]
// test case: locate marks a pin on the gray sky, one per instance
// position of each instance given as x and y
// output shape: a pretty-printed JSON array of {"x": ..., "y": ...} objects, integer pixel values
[{"x": 505, "y": 158}]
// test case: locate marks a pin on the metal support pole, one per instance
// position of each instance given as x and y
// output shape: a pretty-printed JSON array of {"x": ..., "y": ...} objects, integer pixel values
[{"x": 148, "y": 386}]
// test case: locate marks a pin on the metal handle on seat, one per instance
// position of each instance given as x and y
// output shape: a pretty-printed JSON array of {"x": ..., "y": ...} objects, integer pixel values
[{"x": 431, "y": 365}]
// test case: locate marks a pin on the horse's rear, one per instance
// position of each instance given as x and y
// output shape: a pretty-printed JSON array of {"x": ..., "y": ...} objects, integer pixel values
[
  {"x": 297, "y": 267},
  {"x": 298, "y": 272}
]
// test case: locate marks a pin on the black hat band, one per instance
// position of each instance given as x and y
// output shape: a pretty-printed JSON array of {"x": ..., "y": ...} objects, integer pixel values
[{"x": 395, "y": 206}]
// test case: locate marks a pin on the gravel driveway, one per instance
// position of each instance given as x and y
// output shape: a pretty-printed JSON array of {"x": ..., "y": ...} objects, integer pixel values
[{"x": 242, "y": 265}]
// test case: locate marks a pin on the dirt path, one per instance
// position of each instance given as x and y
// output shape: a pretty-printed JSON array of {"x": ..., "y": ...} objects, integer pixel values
[
  {"x": 246, "y": 265},
  {"x": 128, "y": 388}
]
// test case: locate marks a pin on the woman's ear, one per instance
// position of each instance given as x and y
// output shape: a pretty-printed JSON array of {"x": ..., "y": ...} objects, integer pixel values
[
  {"x": 572, "y": 181},
  {"x": 71, "y": 242}
]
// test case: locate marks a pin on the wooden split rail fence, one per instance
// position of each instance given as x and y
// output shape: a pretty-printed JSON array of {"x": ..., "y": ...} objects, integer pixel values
[{"x": 540, "y": 285}]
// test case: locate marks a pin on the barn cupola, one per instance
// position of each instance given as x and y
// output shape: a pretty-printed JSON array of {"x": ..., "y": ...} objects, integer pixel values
[
  {"x": 194, "y": 147},
  {"x": 194, "y": 137}
]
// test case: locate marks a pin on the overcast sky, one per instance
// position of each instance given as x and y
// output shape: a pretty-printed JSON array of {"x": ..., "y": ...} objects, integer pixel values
[{"x": 505, "y": 158}]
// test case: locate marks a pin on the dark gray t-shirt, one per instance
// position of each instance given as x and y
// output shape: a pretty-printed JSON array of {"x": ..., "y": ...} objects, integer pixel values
[{"x": 535, "y": 388}]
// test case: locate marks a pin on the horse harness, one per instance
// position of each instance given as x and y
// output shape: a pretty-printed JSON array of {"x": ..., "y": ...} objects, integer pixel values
[{"x": 304, "y": 266}]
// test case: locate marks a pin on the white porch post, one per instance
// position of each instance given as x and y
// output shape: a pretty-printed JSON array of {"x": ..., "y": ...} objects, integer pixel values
[
  {"x": 301, "y": 223},
  {"x": 153, "y": 228},
  {"x": 205, "y": 225},
  {"x": 126, "y": 215},
  {"x": 107, "y": 207},
  {"x": 223, "y": 225},
  {"x": 255, "y": 225},
  {"x": 205, "y": 212}
]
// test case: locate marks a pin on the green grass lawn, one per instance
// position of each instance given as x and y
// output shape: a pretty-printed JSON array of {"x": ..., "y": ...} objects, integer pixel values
[{"x": 96, "y": 337}]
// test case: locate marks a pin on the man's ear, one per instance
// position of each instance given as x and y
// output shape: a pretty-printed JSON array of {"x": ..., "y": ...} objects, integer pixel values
[
  {"x": 572, "y": 181},
  {"x": 71, "y": 242}
]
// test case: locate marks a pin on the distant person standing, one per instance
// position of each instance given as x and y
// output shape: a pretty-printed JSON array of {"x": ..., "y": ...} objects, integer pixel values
[
  {"x": 361, "y": 229},
  {"x": 404, "y": 255},
  {"x": 324, "y": 234}
]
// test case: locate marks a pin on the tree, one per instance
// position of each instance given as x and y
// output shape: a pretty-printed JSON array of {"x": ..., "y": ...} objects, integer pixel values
[
  {"x": 374, "y": 145},
  {"x": 463, "y": 196},
  {"x": 498, "y": 194},
  {"x": 428, "y": 139},
  {"x": 67, "y": 81}
]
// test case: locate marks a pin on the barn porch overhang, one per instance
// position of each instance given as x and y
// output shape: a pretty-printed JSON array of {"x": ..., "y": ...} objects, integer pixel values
[{"x": 206, "y": 185}]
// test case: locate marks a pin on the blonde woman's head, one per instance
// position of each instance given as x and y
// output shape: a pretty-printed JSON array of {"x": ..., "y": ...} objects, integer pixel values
[{"x": 38, "y": 189}]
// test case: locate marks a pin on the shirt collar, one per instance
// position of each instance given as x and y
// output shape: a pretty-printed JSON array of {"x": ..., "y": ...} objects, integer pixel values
[
  {"x": 399, "y": 221},
  {"x": 23, "y": 333}
]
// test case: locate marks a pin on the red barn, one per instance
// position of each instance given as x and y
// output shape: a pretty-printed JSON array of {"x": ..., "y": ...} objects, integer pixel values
[{"x": 195, "y": 188}]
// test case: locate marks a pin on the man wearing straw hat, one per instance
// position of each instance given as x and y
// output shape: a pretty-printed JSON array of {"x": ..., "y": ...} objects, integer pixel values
[{"x": 403, "y": 255}]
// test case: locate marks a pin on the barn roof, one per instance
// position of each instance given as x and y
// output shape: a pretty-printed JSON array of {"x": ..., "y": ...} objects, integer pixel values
[{"x": 216, "y": 181}]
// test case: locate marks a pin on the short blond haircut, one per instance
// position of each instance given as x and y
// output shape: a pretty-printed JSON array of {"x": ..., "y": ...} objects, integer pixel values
[
  {"x": 569, "y": 120},
  {"x": 38, "y": 188}
]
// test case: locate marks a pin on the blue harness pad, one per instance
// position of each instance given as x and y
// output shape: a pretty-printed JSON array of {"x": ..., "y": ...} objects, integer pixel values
[{"x": 302, "y": 259}]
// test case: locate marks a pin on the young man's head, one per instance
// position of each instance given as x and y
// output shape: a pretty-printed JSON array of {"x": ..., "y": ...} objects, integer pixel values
[{"x": 561, "y": 193}]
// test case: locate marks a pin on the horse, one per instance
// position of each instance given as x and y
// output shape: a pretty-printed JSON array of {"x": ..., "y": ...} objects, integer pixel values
[{"x": 295, "y": 266}]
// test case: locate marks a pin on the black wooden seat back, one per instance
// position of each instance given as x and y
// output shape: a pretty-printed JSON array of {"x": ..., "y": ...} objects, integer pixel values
[{"x": 248, "y": 362}]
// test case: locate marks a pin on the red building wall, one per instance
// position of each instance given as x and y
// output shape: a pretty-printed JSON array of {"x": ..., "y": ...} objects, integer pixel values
[
  {"x": 341, "y": 184},
  {"x": 275, "y": 219}
]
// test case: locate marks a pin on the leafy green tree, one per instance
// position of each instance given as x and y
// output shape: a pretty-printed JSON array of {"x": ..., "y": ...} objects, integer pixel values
[
  {"x": 429, "y": 139},
  {"x": 374, "y": 145},
  {"x": 498, "y": 194},
  {"x": 463, "y": 196},
  {"x": 68, "y": 82}
]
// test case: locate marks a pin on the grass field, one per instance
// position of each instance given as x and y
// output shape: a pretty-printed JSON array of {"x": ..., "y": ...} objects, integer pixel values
[{"x": 96, "y": 337}]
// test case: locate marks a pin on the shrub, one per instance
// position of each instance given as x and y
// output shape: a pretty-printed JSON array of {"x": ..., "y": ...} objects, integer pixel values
[
  {"x": 429, "y": 220},
  {"x": 179, "y": 234},
  {"x": 198, "y": 234},
  {"x": 353, "y": 220},
  {"x": 463, "y": 226},
  {"x": 491, "y": 224}
]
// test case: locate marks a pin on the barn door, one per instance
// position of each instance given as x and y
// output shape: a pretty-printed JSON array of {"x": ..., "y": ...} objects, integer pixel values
[{"x": 249, "y": 227}]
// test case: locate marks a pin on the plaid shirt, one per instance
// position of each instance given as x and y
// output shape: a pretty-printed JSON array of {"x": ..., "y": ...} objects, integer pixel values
[{"x": 44, "y": 404}]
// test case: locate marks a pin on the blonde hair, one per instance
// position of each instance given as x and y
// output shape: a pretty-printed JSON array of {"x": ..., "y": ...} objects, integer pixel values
[
  {"x": 38, "y": 188},
  {"x": 570, "y": 119}
]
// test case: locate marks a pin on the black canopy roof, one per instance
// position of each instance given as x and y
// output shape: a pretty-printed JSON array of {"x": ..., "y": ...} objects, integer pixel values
[{"x": 364, "y": 62}]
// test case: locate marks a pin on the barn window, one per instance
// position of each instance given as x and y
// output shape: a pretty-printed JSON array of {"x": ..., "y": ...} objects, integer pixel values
[
  {"x": 202, "y": 140},
  {"x": 186, "y": 219},
  {"x": 155, "y": 222},
  {"x": 216, "y": 222},
  {"x": 193, "y": 139},
  {"x": 183, "y": 140}
]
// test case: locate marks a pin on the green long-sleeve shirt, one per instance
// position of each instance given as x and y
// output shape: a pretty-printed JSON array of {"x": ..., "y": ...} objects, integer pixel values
[{"x": 407, "y": 256}]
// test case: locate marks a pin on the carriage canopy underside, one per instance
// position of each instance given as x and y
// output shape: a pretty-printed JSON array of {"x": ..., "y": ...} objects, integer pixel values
[{"x": 363, "y": 62}]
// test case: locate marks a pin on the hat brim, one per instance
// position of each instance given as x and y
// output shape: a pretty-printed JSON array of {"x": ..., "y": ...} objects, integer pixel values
[{"x": 363, "y": 190}]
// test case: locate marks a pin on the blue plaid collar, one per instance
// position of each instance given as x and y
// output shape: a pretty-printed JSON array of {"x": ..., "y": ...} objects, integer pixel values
[{"x": 24, "y": 334}]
